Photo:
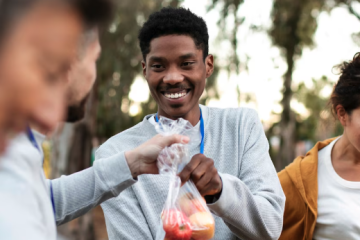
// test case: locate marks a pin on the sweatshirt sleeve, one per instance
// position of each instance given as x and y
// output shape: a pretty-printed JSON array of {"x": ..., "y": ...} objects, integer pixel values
[
  {"x": 252, "y": 204},
  {"x": 76, "y": 194}
]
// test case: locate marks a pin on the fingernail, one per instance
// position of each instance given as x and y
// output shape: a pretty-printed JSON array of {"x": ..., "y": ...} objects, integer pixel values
[{"x": 185, "y": 139}]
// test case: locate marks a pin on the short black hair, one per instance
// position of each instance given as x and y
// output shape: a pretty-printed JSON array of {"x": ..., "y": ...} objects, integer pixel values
[{"x": 177, "y": 21}]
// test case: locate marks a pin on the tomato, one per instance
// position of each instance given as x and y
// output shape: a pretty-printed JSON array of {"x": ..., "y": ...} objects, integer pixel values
[{"x": 176, "y": 225}]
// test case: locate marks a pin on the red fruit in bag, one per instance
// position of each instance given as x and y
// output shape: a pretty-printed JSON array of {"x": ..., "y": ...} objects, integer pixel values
[{"x": 176, "y": 225}]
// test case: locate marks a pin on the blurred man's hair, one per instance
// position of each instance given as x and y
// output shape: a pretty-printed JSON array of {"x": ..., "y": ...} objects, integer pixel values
[{"x": 92, "y": 12}]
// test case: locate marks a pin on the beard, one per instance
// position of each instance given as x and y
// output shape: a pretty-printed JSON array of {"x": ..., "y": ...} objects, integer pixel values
[{"x": 76, "y": 113}]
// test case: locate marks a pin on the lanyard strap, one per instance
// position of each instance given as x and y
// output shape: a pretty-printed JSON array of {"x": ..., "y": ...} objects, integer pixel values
[
  {"x": 52, "y": 198},
  {"x": 33, "y": 141},
  {"x": 202, "y": 130}
]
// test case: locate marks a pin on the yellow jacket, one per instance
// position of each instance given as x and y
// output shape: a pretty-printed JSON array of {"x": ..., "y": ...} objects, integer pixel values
[{"x": 299, "y": 181}]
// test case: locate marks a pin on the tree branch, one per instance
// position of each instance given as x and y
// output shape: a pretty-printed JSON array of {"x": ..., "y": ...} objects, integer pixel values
[{"x": 352, "y": 11}]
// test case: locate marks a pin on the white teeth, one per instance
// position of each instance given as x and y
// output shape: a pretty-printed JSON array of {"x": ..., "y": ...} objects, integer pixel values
[{"x": 175, "y": 95}]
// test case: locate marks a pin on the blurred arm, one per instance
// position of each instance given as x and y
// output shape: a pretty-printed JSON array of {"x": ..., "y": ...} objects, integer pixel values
[{"x": 76, "y": 194}]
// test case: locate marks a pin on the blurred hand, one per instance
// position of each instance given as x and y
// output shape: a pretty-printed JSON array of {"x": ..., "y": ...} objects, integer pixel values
[
  {"x": 143, "y": 159},
  {"x": 202, "y": 172}
]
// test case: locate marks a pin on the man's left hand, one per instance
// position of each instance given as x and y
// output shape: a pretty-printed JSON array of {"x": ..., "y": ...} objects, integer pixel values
[{"x": 202, "y": 172}]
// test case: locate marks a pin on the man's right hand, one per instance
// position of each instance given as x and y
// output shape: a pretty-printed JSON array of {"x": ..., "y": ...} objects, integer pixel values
[{"x": 142, "y": 160}]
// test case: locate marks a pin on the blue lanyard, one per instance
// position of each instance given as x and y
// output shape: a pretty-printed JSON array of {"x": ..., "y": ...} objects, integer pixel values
[
  {"x": 202, "y": 131},
  {"x": 33, "y": 141}
]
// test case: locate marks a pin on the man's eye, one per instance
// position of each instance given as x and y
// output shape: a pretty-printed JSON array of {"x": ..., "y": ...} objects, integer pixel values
[
  {"x": 186, "y": 64},
  {"x": 156, "y": 66}
]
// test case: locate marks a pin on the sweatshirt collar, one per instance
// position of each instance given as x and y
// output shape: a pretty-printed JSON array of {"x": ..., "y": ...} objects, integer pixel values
[{"x": 147, "y": 123}]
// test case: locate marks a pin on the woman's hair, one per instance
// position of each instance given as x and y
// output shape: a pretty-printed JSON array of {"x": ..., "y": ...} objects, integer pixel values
[{"x": 346, "y": 91}]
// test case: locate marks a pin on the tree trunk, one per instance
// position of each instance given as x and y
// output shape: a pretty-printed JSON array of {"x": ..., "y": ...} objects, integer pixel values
[{"x": 288, "y": 122}]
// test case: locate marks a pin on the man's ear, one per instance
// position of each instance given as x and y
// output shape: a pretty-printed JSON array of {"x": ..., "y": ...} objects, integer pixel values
[
  {"x": 143, "y": 63},
  {"x": 341, "y": 114},
  {"x": 209, "y": 64}
]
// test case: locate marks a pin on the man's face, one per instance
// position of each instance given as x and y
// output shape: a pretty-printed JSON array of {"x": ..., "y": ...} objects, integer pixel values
[
  {"x": 176, "y": 74},
  {"x": 34, "y": 60},
  {"x": 82, "y": 77}
]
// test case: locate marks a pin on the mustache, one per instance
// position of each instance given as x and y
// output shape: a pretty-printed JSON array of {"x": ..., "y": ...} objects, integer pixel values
[{"x": 167, "y": 87}]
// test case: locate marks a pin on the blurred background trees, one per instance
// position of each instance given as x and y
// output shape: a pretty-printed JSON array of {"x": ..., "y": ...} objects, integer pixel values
[{"x": 291, "y": 28}]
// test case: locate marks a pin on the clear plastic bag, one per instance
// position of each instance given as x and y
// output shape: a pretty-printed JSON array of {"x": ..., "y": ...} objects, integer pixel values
[{"x": 185, "y": 215}]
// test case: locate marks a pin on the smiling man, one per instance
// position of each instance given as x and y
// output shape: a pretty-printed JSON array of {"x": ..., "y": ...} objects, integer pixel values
[{"x": 231, "y": 168}]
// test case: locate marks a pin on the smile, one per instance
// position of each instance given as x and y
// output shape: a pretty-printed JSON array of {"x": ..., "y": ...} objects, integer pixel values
[{"x": 176, "y": 95}]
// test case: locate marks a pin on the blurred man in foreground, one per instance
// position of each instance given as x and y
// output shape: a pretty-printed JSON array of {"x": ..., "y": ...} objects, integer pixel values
[
  {"x": 26, "y": 203},
  {"x": 38, "y": 39}
]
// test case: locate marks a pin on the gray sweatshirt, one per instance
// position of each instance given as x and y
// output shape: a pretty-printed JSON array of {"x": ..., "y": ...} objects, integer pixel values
[{"x": 252, "y": 202}]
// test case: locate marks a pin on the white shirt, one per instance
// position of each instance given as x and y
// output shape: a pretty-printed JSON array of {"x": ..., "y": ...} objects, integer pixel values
[
  {"x": 25, "y": 209},
  {"x": 338, "y": 202}
]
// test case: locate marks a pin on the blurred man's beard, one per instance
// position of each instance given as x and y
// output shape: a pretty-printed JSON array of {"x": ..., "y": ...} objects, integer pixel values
[{"x": 76, "y": 113}]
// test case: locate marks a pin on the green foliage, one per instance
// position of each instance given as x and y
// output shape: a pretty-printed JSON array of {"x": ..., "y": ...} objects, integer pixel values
[
  {"x": 319, "y": 110},
  {"x": 229, "y": 8},
  {"x": 294, "y": 24}
]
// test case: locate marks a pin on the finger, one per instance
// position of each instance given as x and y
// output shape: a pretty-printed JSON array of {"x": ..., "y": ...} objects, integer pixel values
[
  {"x": 210, "y": 189},
  {"x": 189, "y": 168},
  {"x": 205, "y": 165},
  {"x": 153, "y": 170},
  {"x": 213, "y": 186},
  {"x": 169, "y": 140},
  {"x": 207, "y": 190},
  {"x": 204, "y": 180}
]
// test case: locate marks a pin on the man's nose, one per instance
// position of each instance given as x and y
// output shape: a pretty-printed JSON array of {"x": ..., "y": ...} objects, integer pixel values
[{"x": 173, "y": 76}]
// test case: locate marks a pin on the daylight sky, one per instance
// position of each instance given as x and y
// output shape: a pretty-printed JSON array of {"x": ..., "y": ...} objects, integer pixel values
[{"x": 263, "y": 79}]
